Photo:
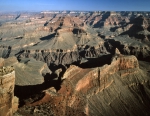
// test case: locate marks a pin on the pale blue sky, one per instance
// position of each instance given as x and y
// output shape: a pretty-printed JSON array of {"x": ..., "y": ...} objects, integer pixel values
[{"x": 88, "y": 5}]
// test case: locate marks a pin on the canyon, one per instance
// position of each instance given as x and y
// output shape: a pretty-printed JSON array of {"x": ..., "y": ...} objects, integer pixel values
[{"x": 75, "y": 63}]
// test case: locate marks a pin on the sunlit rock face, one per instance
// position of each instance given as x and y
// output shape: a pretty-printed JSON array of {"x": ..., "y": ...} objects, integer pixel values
[
  {"x": 87, "y": 89},
  {"x": 64, "y": 38},
  {"x": 7, "y": 79},
  {"x": 101, "y": 90},
  {"x": 77, "y": 63}
]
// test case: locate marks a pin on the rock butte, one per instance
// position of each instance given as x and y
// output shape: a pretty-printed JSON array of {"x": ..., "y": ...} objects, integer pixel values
[{"x": 75, "y": 63}]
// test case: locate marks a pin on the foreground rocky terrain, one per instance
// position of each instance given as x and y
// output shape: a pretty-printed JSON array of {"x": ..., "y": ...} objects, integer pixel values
[{"x": 78, "y": 63}]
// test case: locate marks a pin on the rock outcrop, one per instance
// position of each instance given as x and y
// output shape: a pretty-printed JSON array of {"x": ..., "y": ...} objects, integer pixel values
[
  {"x": 64, "y": 39},
  {"x": 95, "y": 91},
  {"x": 66, "y": 56},
  {"x": 129, "y": 46},
  {"x": 7, "y": 83}
]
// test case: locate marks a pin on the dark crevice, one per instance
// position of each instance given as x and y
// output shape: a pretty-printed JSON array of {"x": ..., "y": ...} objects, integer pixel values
[
  {"x": 96, "y": 62},
  {"x": 48, "y": 37},
  {"x": 113, "y": 29}
]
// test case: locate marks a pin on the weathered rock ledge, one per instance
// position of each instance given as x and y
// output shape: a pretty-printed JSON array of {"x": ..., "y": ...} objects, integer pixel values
[
  {"x": 7, "y": 82},
  {"x": 93, "y": 91}
]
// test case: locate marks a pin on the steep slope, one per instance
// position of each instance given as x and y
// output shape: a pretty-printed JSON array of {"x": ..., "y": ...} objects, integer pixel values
[
  {"x": 121, "y": 88},
  {"x": 66, "y": 54}
]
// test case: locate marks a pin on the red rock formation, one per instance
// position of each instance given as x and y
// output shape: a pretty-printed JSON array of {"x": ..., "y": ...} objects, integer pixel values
[
  {"x": 83, "y": 90},
  {"x": 81, "y": 38},
  {"x": 7, "y": 79}
]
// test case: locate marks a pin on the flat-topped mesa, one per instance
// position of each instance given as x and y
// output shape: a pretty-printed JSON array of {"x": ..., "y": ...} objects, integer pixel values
[{"x": 7, "y": 79}]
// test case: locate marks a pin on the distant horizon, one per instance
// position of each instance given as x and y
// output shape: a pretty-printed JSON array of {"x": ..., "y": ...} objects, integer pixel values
[
  {"x": 73, "y": 5},
  {"x": 68, "y": 10}
]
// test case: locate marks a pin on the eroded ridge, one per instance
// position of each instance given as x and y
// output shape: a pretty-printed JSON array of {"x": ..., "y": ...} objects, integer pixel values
[
  {"x": 88, "y": 91},
  {"x": 7, "y": 82}
]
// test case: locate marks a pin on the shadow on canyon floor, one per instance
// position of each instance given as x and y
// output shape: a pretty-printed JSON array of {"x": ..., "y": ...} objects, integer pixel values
[
  {"x": 31, "y": 91},
  {"x": 96, "y": 62},
  {"x": 48, "y": 37},
  {"x": 53, "y": 80},
  {"x": 25, "y": 92}
]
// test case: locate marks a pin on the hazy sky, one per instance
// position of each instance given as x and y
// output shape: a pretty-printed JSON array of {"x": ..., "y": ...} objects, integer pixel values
[{"x": 40, "y": 5}]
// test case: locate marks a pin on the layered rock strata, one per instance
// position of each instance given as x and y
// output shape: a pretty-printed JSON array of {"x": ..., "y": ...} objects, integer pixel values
[
  {"x": 7, "y": 82},
  {"x": 95, "y": 91},
  {"x": 87, "y": 39}
]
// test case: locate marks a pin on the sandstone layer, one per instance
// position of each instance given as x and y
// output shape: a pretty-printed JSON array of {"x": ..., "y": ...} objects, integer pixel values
[
  {"x": 7, "y": 83},
  {"x": 100, "y": 91},
  {"x": 77, "y": 63}
]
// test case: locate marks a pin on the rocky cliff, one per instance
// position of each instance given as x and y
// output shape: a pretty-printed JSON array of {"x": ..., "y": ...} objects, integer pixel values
[
  {"x": 7, "y": 79},
  {"x": 100, "y": 91},
  {"x": 66, "y": 63}
]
